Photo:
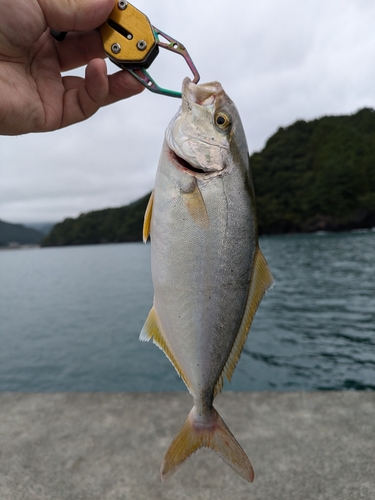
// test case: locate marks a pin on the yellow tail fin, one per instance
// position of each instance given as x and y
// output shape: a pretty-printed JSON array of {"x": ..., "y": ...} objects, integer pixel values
[{"x": 214, "y": 434}]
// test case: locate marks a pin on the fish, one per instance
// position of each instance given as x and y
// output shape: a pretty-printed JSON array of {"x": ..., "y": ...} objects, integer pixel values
[{"x": 209, "y": 274}]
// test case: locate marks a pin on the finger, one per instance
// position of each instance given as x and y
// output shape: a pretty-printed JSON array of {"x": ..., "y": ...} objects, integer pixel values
[
  {"x": 75, "y": 15},
  {"x": 84, "y": 97},
  {"x": 79, "y": 49},
  {"x": 121, "y": 86}
]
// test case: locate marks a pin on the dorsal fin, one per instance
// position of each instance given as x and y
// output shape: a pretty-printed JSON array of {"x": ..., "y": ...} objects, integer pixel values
[
  {"x": 261, "y": 281},
  {"x": 152, "y": 329},
  {"x": 147, "y": 218}
]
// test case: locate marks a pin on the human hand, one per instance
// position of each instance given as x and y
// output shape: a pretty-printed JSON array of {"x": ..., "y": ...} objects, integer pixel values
[{"x": 34, "y": 96}]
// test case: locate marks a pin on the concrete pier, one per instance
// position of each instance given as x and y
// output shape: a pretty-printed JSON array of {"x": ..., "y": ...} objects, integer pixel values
[{"x": 318, "y": 446}]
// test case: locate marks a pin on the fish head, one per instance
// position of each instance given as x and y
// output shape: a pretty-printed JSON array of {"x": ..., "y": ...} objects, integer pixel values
[{"x": 206, "y": 135}]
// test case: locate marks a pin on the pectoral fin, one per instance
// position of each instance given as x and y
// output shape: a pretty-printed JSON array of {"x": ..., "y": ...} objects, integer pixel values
[
  {"x": 147, "y": 218},
  {"x": 194, "y": 202},
  {"x": 261, "y": 282}
]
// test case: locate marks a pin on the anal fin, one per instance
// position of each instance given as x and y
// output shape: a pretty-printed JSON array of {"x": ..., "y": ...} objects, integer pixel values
[{"x": 152, "y": 329}]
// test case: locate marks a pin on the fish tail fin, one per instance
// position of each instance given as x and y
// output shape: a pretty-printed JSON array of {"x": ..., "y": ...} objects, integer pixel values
[{"x": 212, "y": 433}]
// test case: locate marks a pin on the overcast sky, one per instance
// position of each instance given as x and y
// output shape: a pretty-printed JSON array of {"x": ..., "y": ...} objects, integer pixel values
[{"x": 278, "y": 61}]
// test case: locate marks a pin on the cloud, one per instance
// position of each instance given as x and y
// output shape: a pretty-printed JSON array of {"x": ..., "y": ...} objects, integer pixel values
[{"x": 278, "y": 61}]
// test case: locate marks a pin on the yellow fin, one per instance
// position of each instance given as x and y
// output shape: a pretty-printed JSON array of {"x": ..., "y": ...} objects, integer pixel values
[
  {"x": 147, "y": 218},
  {"x": 212, "y": 433},
  {"x": 261, "y": 281},
  {"x": 152, "y": 329},
  {"x": 194, "y": 202}
]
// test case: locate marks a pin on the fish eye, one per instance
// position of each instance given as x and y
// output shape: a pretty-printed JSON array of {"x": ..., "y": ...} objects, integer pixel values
[{"x": 222, "y": 120}]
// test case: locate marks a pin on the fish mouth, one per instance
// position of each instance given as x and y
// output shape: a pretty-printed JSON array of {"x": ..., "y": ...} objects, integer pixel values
[
  {"x": 185, "y": 165},
  {"x": 204, "y": 94}
]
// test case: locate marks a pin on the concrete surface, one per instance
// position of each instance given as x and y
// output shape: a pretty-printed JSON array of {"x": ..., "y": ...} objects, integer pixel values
[{"x": 110, "y": 446}]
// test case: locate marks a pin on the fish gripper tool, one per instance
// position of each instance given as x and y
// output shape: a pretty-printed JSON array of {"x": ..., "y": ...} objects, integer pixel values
[{"x": 132, "y": 43}]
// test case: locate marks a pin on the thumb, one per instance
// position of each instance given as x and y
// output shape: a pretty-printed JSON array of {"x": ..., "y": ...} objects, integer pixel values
[{"x": 75, "y": 15}]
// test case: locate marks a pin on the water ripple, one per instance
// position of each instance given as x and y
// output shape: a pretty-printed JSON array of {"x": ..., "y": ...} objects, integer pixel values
[{"x": 70, "y": 319}]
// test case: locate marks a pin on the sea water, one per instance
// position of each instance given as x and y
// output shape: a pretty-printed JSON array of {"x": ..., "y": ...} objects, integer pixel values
[{"x": 70, "y": 319}]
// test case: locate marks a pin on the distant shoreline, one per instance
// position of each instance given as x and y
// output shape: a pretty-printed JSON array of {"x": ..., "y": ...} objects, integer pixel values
[
  {"x": 359, "y": 230},
  {"x": 19, "y": 247}
]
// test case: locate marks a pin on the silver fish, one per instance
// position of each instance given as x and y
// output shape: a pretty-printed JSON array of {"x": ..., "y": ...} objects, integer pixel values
[{"x": 208, "y": 272}]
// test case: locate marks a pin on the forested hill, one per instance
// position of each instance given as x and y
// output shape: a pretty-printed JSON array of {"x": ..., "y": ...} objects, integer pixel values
[
  {"x": 114, "y": 225},
  {"x": 18, "y": 234},
  {"x": 317, "y": 175}
]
